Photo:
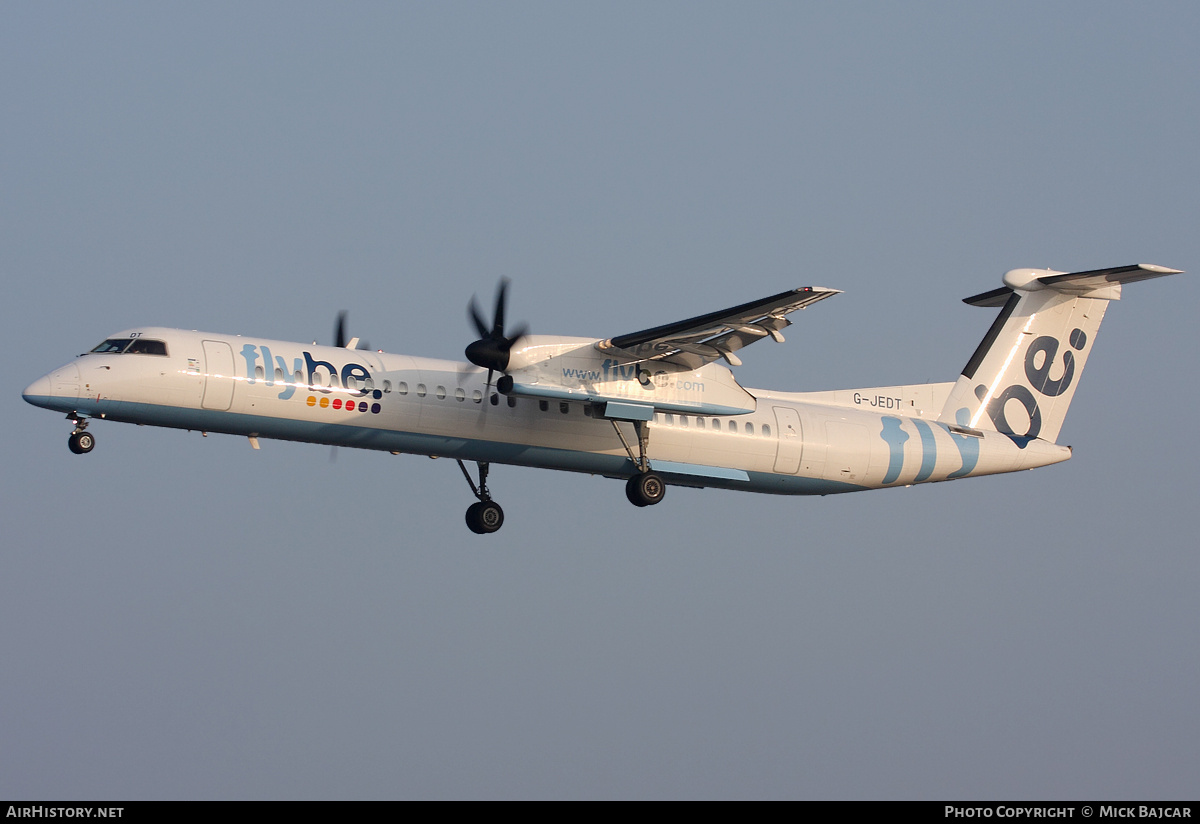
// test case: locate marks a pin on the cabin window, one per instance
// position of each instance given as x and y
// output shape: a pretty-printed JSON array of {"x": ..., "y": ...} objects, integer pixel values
[
  {"x": 420, "y": 390},
  {"x": 749, "y": 428},
  {"x": 544, "y": 406},
  {"x": 369, "y": 385},
  {"x": 766, "y": 431},
  {"x": 460, "y": 394},
  {"x": 512, "y": 402},
  {"x": 564, "y": 407},
  {"x": 477, "y": 396},
  {"x": 258, "y": 373},
  {"x": 683, "y": 421},
  {"x": 387, "y": 387},
  {"x": 669, "y": 419},
  {"x": 402, "y": 387},
  {"x": 699, "y": 423},
  {"x": 278, "y": 375},
  {"x": 441, "y": 393},
  {"x": 495, "y": 399}
]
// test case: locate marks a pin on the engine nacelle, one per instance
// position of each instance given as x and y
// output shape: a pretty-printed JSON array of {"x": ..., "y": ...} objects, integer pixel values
[{"x": 572, "y": 369}]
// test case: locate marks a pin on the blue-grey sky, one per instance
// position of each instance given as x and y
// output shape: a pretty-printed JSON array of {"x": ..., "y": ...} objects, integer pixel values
[{"x": 183, "y": 617}]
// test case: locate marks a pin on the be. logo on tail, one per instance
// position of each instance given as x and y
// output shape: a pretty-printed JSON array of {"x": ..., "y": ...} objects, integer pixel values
[{"x": 1039, "y": 364}]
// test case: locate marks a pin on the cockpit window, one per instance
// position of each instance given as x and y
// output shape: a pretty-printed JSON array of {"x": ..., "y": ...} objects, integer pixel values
[
  {"x": 112, "y": 346},
  {"x": 142, "y": 346},
  {"x": 131, "y": 346}
]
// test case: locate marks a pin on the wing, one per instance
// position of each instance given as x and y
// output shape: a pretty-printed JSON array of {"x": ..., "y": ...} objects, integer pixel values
[{"x": 700, "y": 340}]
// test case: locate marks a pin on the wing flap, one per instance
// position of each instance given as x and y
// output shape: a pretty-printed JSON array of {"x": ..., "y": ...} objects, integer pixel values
[{"x": 705, "y": 338}]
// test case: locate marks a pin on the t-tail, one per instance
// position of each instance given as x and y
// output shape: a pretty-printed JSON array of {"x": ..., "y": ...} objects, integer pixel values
[{"x": 1022, "y": 377}]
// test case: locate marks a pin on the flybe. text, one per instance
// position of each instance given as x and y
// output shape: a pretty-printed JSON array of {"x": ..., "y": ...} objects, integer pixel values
[{"x": 319, "y": 375}]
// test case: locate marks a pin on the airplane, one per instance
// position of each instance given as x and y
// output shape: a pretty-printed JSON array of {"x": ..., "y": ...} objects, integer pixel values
[{"x": 655, "y": 408}]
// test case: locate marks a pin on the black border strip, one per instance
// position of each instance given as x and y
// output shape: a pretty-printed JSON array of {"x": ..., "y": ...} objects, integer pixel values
[{"x": 985, "y": 345}]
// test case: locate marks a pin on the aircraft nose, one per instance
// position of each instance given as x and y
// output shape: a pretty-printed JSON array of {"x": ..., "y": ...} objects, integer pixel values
[
  {"x": 52, "y": 390},
  {"x": 40, "y": 388}
]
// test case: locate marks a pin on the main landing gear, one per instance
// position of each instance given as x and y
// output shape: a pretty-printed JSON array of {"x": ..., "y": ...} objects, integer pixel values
[
  {"x": 645, "y": 488},
  {"x": 81, "y": 441},
  {"x": 485, "y": 515}
]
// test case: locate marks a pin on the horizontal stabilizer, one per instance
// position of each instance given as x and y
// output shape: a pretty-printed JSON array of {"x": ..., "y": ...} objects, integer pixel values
[
  {"x": 990, "y": 300},
  {"x": 1086, "y": 281},
  {"x": 1096, "y": 283}
]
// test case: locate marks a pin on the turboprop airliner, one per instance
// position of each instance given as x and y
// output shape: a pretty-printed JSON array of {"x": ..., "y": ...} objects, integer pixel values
[{"x": 654, "y": 408}]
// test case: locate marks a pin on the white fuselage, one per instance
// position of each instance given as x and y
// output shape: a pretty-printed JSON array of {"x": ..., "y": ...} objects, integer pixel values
[{"x": 790, "y": 443}]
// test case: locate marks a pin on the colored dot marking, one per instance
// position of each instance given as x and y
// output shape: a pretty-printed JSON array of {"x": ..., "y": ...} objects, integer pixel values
[
  {"x": 324, "y": 402},
  {"x": 312, "y": 400},
  {"x": 374, "y": 409},
  {"x": 337, "y": 403}
]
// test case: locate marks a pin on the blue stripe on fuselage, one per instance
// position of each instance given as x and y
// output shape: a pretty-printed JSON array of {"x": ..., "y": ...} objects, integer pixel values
[{"x": 468, "y": 449}]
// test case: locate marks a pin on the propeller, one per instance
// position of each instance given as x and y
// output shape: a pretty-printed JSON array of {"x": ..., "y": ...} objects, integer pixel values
[
  {"x": 492, "y": 350},
  {"x": 339, "y": 334},
  {"x": 339, "y": 340}
]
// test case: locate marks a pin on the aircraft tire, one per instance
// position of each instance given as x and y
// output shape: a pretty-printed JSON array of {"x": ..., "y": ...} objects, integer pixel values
[
  {"x": 645, "y": 489},
  {"x": 484, "y": 517},
  {"x": 81, "y": 443}
]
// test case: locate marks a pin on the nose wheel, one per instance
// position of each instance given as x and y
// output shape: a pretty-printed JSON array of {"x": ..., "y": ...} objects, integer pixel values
[{"x": 81, "y": 441}]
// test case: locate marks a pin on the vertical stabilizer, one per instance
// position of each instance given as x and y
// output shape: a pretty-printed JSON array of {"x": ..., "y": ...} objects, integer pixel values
[{"x": 1022, "y": 377}]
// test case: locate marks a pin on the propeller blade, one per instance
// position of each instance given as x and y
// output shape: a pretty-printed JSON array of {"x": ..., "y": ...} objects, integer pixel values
[
  {"x": 465, "y": 370},
  {"x": 480, "y": 324},
  {"x": 501, "y": 304},
  {"x": 522, "y": 331}
]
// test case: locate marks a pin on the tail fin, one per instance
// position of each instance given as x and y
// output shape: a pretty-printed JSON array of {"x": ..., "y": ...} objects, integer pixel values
[{"x": 1022, "y": 377}]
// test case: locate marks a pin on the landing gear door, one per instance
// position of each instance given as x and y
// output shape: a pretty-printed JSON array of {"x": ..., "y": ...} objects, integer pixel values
[
  {"x": 791, "y": 442},
  {"x": 218, "y": 375}
]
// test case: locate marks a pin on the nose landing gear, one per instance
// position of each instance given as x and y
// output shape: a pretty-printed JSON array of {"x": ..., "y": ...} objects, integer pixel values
[{"x": 81, "y": 441}]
